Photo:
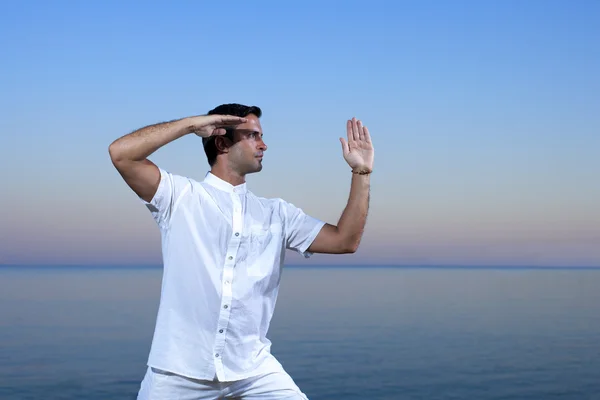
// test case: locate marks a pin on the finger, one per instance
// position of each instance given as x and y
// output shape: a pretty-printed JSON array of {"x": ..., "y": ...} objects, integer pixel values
[
  {"x": 359, "y": 127},
  {"x": 366, "y": 134},
  {"x": 345, "y": 148},
  {"x": 219, "y": 131},
  {"x": 354, "y": 129},
  {"x": 232, "y": 120},
  {"x": 349, "y": 131}
]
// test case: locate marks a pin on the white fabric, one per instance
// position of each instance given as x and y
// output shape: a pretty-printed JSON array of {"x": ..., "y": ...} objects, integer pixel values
[
  {"x": 162, "y": 385},
  {"x": 223, "y": 252}
]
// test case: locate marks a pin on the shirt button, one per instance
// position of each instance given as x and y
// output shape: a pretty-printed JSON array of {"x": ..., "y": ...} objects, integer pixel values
[
  {"x": 220, "y": 330},
  {"x": 225, "y": 306},
  {"x": 217, "y": 355},
  {"x": 237, "y": 234},
  {"x": 227, "y": 282},
  {"x": 230, "y": 257}
]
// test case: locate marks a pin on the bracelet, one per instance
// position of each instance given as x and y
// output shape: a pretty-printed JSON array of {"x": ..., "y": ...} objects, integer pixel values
[{"x": 363, "y": 172}]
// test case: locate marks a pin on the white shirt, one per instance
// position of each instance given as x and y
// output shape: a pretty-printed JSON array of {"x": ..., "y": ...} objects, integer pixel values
[{"x": 223, "y": 252}]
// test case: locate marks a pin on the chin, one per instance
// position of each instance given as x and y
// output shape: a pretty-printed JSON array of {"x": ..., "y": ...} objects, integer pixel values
[{"x": 254, "y": 168}]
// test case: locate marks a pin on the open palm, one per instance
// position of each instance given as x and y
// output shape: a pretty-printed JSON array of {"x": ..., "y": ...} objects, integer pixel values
[{"x": 358, "y": 150}]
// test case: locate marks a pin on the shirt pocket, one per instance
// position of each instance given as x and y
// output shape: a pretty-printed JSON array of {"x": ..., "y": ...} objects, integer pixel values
[{"x": 265, "y": 249}]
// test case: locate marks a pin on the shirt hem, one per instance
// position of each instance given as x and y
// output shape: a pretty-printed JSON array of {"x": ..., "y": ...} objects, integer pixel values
[{"x": 266, "y": 366}]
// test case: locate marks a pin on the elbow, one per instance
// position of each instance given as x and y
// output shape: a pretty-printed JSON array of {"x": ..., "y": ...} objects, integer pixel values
[
  {"x": 351, "y": 247},
  {"x": 348, "y": 244},
  {"x": 352, "y": 250},
  {"x": 114, "y": 153}
]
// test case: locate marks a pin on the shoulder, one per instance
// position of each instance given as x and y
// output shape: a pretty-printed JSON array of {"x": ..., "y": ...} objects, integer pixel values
[
  {"x": 275, "y": 202},
  {"x": 276, "y": 205},
  {"x": 284, "y": 209},
  {"x": 179, "y": 185},
  {"x": 181, "y": 179},
  {"x": 167, "y": 174}
]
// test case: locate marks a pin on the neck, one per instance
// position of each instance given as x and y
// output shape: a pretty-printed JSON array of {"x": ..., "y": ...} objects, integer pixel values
[{"x": 228, "y": 175}]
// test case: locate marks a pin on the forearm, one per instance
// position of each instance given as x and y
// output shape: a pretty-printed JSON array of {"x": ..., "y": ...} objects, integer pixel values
[
  {"x": 141, "y": 143},
  {"x": 352, "y": 222}
]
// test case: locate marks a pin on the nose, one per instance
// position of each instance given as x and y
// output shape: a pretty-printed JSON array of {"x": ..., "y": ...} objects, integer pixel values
[{"x": 262, "y": 145}]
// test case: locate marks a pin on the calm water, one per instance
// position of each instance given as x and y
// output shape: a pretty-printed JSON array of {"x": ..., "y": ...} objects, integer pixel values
[{"x": 341, "y": 333}]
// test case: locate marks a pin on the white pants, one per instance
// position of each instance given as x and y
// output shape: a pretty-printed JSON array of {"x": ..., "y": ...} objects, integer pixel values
[{"x": 162, "y": 385}]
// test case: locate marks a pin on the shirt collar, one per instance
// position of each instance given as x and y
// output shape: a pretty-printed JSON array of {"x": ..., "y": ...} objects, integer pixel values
[{"x": 220, "y": 184}]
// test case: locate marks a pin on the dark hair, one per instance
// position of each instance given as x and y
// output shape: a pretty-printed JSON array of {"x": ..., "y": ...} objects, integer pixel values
[{"x": 239, "y": 110}]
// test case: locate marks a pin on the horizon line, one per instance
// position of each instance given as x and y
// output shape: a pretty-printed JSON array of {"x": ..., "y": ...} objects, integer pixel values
[{"x": 319, "y": 266}]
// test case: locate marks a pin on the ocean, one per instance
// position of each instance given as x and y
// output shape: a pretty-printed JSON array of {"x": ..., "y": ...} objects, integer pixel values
[{"x": 342, "y": 333}]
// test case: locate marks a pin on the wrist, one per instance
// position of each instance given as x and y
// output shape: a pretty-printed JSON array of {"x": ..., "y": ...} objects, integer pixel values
[
  {"x": 362, "y": 171},
  {"x": 189, "y": 125}
]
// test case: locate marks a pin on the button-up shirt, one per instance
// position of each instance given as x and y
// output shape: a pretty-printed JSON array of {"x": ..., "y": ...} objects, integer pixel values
[{"x": 223, "y": 252}]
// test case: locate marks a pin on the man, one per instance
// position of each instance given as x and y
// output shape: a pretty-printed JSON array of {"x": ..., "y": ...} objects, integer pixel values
[{"x": 223, "y": 251}]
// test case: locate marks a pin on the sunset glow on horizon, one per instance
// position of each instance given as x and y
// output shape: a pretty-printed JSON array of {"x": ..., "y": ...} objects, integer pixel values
[{"x": 483, "y": 118}]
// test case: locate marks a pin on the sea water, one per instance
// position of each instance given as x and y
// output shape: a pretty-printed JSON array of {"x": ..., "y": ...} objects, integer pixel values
[{"x": 342, "y": 333}]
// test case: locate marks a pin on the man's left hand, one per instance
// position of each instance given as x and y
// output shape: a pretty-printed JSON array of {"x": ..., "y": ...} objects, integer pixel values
[{"x": 358, "y": 150}]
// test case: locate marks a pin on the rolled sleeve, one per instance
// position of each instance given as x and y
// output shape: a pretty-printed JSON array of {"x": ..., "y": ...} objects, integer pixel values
[
  {"x": 301, "y": 229},
  {"x": 170, "y": 188}
]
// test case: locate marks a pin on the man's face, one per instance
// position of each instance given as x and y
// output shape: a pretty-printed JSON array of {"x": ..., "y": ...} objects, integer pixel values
[{"x": 245, "y": 156}]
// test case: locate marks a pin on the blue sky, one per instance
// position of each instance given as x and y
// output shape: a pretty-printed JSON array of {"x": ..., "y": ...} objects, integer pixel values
[{"x": 483, "y": 116}]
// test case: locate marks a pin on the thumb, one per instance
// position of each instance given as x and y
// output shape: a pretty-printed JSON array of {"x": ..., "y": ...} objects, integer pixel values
[{"x": 345, "y": 148}]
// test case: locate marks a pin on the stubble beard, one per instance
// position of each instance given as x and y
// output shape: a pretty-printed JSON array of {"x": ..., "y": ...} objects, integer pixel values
[{"x": 252, "y": 166}]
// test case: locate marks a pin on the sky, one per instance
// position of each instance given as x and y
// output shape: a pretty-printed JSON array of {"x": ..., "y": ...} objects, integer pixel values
[{"x": 483, "y": 115}]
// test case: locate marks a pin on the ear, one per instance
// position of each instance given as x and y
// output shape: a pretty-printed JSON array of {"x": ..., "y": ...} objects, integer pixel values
[{"x": 222, "y": 144}]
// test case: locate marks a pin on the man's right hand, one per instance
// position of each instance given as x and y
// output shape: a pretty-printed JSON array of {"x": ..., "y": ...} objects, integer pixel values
[
  {"x": 212, "y": 125},
  {"x": 129, "y": 153}
]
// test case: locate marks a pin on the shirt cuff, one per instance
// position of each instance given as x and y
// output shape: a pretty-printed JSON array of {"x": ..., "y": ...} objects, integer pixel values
[
  {"x": 303, "y": 250},
  {"x": 154, "y": 203}
]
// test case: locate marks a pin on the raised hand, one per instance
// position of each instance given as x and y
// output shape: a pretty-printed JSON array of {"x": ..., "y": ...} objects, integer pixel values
[
  {"x": 358, "y": 150},
  {"x": 210, "y": 125}
]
